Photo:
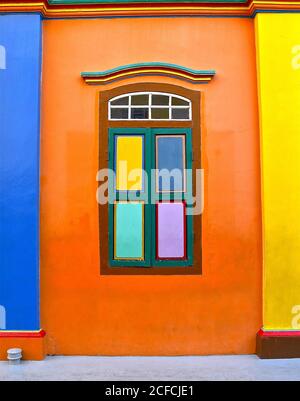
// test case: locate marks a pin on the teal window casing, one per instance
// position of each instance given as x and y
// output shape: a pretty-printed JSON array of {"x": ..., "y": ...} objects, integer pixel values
[{"x": 150, "y": 198}]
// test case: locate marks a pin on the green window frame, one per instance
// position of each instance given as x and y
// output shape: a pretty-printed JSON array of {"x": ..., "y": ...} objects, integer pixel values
[{"x": 149, "y": 193}]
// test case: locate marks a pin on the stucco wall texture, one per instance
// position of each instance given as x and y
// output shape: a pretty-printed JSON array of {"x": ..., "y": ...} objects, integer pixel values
[{"x": 86, "y": 313}]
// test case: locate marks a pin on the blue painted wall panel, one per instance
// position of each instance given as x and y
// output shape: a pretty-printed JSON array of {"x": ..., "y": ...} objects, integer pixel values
[{"x": 20, "y": 64}]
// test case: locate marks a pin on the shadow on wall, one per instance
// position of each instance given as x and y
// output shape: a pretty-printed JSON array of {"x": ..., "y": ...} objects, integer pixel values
[
  {"x": 2, "y": 58},
  {"x": 2, "y": 318},
  {"x": 2, "y": 67}
]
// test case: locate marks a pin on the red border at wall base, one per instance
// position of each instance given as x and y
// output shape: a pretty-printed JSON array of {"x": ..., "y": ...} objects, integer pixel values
[
  {"x": 31, "y": 343},
  {"x": 278, "y": 344}
]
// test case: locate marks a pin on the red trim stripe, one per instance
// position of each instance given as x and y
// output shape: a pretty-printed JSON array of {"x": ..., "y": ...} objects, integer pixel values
[
  {"x": 263, "y": 333},
  {"x": 22, "y": 334}
]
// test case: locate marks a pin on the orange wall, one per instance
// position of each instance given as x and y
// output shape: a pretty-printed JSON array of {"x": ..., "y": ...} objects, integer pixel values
[{"x": 84, "y": 313}]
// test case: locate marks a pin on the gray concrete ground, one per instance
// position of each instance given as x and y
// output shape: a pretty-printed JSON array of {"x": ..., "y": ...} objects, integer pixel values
[{"x": 236, "y": 368}]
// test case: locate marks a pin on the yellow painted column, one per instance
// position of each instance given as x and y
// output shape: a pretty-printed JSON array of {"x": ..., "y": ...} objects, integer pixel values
[{"x": 278, "y": 61}]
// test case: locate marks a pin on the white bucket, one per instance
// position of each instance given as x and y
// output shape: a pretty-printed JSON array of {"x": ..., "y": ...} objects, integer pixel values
[{"x": 14, "y": 356}]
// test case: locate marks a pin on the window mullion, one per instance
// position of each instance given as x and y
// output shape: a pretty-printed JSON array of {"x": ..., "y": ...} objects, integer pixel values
[
  {"x": 150, "y": 106},
  {"x": 129, "y": 108},
  {"x": 149, "y": 235}
]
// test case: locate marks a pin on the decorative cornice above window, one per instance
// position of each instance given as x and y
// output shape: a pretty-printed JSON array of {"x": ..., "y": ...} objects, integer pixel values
[
  {"x": 154, "y": 69},
  {"x": 137, "y": 8}
]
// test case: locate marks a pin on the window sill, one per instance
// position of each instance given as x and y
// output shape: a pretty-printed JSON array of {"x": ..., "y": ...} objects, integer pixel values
[{"x": 151, "y": 271}]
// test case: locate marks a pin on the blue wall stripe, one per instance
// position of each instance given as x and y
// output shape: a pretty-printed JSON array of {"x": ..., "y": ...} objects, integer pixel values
[{"x": 20, "y": 72}]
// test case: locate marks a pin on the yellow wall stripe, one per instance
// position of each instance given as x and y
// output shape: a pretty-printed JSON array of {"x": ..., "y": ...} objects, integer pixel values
[{"x": 278, "y": 51}]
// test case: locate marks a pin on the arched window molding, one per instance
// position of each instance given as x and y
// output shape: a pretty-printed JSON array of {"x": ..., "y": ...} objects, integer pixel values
[{"x": 151, "y": 69}]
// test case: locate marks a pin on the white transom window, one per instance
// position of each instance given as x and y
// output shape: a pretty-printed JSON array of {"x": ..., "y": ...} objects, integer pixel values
[{"x": 150, "y": 106}]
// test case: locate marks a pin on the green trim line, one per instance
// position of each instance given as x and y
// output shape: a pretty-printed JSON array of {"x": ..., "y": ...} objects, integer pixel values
[
  {"x": 74, "y": 2},
  {"x": 151, "y": 68}
]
